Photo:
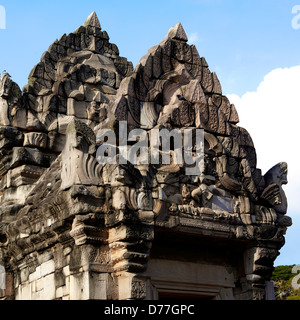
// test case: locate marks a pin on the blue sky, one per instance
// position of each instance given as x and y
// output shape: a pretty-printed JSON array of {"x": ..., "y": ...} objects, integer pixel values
[{"x": 243, "y": 41}]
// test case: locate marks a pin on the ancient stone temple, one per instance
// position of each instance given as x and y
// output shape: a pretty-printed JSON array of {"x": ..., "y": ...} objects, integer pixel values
[{"x": 72, "y": 227}]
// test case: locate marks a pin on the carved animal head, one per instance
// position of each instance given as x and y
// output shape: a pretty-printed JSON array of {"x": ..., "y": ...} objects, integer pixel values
[{"x": 277, "y": 174}]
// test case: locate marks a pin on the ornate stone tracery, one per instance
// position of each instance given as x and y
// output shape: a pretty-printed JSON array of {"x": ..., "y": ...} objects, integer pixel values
[{"x": 68, "y": 222}]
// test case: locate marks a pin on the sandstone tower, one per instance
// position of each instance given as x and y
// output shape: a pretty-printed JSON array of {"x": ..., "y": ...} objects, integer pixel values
[{"x": 72, "y": 228}]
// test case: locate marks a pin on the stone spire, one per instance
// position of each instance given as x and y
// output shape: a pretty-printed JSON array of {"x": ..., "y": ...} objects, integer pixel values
[
  {"x": 92, "y": 21},
  {"x": 177, "y": 33}
]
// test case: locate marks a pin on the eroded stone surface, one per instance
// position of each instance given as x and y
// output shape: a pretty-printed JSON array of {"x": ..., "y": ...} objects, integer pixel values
[{"x": 72, "y": 228}]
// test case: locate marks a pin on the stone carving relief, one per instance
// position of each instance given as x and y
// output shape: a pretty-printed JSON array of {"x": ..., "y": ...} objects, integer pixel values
[
  {"x": 10, "y": 95},
  {"x": 79, "y": 165},
  {"x": 273, "y": 194},
  {"x": 93, "y": 220}
]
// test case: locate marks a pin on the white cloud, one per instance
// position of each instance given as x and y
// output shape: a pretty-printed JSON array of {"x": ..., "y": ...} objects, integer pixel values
[
  {"x": 193, "y": 38},
  {"x": 271, "y": 115}
]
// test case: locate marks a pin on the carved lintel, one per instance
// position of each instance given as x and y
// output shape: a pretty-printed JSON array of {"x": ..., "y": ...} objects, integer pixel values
[{"x": 85, "y": 230}]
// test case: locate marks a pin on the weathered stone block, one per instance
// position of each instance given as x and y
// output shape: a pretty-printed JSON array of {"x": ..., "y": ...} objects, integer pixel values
[
  {"x": 24, "y": 175},
  {"x": 216, "y": 84},
  {"x": 56, "y": 141},
  {"x": 47, "y": 268},
  {"x": 77, "y": 108},
  {"x": 33, "y": 123},
  {"x": 35, "y": 275},
  {"x": 10, "y": 136},
  {"x": 25, "y": 292},
  {"x": 18, "y": 194},
  {"x": 25, "y": 155},
  {"x": 88, "y": 286},
  {"x": 20, "y": 118},
  {"x": 207, "y": 81},
  {"x": 49, "y": 289},
  {"x": 35, "y": 139}
]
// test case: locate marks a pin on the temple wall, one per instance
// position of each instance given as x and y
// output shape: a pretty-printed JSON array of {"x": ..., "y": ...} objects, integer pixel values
[{"x": 73, "y": 227}]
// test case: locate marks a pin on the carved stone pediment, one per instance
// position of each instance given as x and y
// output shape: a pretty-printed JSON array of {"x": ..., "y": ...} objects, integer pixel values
[{"x": 75, "y": 227}]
